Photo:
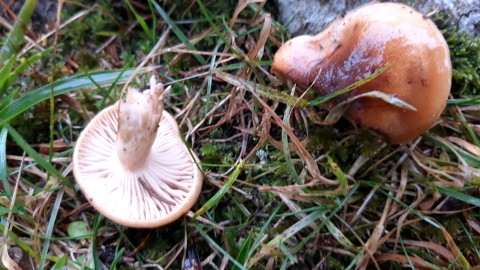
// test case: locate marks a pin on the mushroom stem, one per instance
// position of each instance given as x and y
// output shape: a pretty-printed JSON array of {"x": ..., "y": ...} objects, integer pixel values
[{"x": 139, "y": 116}]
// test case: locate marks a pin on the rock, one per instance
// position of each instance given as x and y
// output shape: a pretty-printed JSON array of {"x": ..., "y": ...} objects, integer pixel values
[
  {"x": 311, "y": 16},
  {"x": 44, "y": 14}
]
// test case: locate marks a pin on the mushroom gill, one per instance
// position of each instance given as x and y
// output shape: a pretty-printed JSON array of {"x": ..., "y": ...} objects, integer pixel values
[{"x": 155, "y": 182}]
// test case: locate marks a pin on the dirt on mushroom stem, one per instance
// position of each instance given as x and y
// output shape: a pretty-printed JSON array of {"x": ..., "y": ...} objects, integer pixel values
[{"x": 139, "y": 112}]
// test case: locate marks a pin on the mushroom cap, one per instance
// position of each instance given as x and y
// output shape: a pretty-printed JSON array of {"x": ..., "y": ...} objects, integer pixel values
[
  {"x": 359, "y": 44},
  {"x": 154, "y": 195}
]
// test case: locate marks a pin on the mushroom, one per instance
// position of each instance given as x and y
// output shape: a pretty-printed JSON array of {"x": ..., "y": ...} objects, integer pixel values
[
  {"x": 132, "y": 165},
  {"x": 363, "y": 41}
]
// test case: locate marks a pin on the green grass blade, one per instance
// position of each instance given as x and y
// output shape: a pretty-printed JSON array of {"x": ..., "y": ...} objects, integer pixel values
[
  {"x": 5, "y": 100},
  {"x": 243, "y": 254},
  {"x": 286, "y": 152},
  {"x": 286, "y": 234},
  {"x": 210, "y": 78},
  {"x": 18, "y": 241},
  {"x": 288, "y": 253},
  {"x": 475, "y": 100},
  {"x": 51, "y": 225},
  {"x": 454, "y": 193},
  {"x": 27, "y": 63},
  {"x": 349, "y": 88},
  {"x": 406, "y": 206},
  {"x": 154, "y": 20},
  {"x": 61, "y": 263},
  {"x": 60, "y": 87},
  {"x": 16, "y": 36},
  {"x": 260, "y": 235},
  {"x": 337, "y": 233},
  {"x": 213, "y": 23},
  {"x": 295, "y": 228},
  {"x": 140, "y": 20},
  {"x": 339, "y": 205},
  {"x": 467, "y": 129},
  {"x": 470, "y": 239},
  {"x": 5, "y": 75},
  {"x": 117, "y": 258},
  {"x": 95, "y": 254},
  {"x": 3, "y": 162},
  {"x": 35, "y": 155},
  {"x": 216, "y": 198},
  {"x": 183, "y": 38},
  {"x": 218, "y": 247},
  {"x": 340, "y": 175},
  {"x": 107, "y": 93}
]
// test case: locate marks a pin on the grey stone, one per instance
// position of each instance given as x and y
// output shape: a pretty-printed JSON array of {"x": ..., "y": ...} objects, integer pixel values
[
  {"x": 311, "y": 16},
  {"x": 45, "y": 12}
]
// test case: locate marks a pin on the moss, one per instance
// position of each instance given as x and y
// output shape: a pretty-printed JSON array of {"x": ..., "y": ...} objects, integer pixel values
[
  {"x": 86, "y": 58},
  {"x": 219, "y": 153},
  {"x": 215, "y": 153},
  {"x": 326, "y": 137},
  {"x": 335, "y": 264},
  {"x": 465, "y": 55},
  {"x": 34, "y": 124},
  {"x": 469, "y": 245}
]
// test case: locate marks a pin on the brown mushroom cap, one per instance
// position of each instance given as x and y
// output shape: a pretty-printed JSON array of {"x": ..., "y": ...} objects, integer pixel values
[
  {"x": 359, "y": 44},
  {"x": 151, "y": 193}
]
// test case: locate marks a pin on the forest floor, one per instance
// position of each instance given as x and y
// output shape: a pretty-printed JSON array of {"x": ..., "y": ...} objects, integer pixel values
[{"x": 279, "y": 191}]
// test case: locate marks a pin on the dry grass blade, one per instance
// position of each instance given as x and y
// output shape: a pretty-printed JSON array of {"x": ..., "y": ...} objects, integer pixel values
[
  {"x": 241, "y": 5},
  {"x": 455, "y": 250},
  {"x": 301, "y": 151},
  {"x": 295, "y": 208},
  {"x": 257, "y": 51},
  {"x": 473, "y": 223},
  {"x": 6, "y": 260},
  {"x": 374, "y": 242},
  {"x": 409, "y": 262},
  {"x": 272, "y": 247},
  {"x": 465, "y": 145},
  {"x": 406, "y": 214},
  {"x": 434, "y": 247},
  {"x": 336, "y": 112},
  {"x": 262, "y": 90}
]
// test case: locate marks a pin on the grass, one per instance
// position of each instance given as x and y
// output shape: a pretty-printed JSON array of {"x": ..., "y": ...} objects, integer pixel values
[{"x": 280, "y": 191}]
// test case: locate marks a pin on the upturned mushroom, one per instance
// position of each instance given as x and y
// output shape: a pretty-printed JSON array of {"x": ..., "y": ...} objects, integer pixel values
[
  {"x": 364, "y": 41},
  {"x": 131, "y": 164}
]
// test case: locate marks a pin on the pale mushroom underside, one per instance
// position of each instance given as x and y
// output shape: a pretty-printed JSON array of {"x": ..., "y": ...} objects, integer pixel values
[{"x": 157, "y": 194}]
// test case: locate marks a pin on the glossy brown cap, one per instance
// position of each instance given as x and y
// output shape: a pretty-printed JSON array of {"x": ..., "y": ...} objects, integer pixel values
[{"x": 362, "y": 42}]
